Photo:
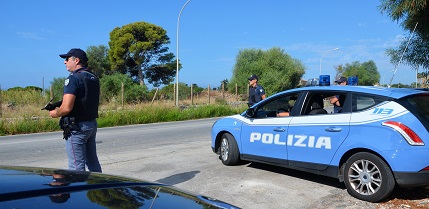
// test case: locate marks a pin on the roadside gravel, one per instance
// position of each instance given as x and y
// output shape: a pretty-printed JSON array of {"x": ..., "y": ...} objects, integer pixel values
[{"x": 400, "y": 199}]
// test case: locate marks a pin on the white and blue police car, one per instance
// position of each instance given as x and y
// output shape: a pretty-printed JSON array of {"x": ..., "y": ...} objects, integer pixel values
[{"x": 378, "y": 140}]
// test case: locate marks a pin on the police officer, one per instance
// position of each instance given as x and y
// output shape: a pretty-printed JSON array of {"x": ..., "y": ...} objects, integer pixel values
[
  {"x": 78, "y": 112},
  {"x": 335, "y": 100},
  {"x": 256, "y": 92}
]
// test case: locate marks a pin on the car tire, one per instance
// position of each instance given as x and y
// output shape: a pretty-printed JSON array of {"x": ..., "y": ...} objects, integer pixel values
[
  {"x": 229, "y": 153},
  {"x": 367, "y": 177}
]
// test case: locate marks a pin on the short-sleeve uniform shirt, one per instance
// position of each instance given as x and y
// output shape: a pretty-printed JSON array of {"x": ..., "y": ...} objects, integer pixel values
[{"x": 255, "y": 94}]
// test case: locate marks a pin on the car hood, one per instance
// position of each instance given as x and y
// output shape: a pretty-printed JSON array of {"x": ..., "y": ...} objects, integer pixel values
[{"x": 30, "y": 187}]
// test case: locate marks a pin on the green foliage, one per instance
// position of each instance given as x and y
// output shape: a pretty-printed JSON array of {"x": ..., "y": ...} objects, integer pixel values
[
  {"x": 148, "y": 114},
  {"x": 33, "y": 88},
  {"x": 168, "y": 91},
  {"x": 366, "y": 72},
  {"x": 413, "y": 14},
  {"x": 98, "y": 60},
  {"x": 57, "y": 86},
  {"x": 197, "y": 89},
  {"x": 28, "y": 102},
  {"x": 276, "y": 70},
  {"x": 153, "y": 114},
  {"x": 220, "y": 101},
  {"x": 225, "y": 83},
  {"x": 409, "y": 12},
  {"x": 17, "y": 88},
  {"x": 139, "y": 49},
  {"x": 135, "y": 94},
  {"x": 22, "y": 96},
  {"x": 28, "y": 125},
  {"x": 111, "y": 87}
]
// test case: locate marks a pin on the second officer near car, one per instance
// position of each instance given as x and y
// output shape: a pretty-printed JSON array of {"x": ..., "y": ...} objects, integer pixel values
[{"x": 256, "y": 92}]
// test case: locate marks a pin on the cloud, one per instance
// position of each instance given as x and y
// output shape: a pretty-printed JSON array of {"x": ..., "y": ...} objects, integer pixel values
[{"x": 29, "y": 35}]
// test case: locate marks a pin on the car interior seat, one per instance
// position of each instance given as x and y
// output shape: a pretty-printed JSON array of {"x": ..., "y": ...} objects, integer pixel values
[{"x": 317, "y": 105}]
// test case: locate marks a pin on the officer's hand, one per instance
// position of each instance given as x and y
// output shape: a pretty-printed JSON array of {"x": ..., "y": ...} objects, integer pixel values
[{"x": 53, "y": 113}]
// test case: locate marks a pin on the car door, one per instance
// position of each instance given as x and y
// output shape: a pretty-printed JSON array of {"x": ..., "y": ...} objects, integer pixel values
[
  {"x": 263, "y": 137},
  {"x": 312, "y": 140}
]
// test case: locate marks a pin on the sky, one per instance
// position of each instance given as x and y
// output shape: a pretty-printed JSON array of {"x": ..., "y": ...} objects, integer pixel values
[{"x": 211, "y": 33}]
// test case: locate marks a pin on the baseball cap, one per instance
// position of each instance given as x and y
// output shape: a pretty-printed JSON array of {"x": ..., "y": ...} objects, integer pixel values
[
  {"x": 340, "y": 80},
  {"x": 75, "y": 52},
  {"x": 253, "y": 77}
]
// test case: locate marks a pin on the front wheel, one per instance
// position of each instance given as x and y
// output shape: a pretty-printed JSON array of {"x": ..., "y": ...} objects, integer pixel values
[
  {"x": 229, "y": 153},
  {"x": 367, "y": 177}
]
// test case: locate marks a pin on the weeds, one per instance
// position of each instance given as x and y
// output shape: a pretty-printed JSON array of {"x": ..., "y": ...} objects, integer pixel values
[{"x": 22, "y": 114}]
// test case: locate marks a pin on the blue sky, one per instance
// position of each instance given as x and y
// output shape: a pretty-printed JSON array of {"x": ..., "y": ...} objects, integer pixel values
[{"x": 211, "y": 33}]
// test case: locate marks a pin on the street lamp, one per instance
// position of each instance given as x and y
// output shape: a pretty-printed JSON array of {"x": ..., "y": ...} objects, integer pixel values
[
  {"x": 322, "y": 58},
  {"x": 177, "y": 53}
]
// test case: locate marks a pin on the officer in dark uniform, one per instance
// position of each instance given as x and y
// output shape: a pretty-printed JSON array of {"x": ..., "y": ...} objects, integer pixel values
[
  {"x": 78, "y": 112},
  {"x": 256, "y": 92}
]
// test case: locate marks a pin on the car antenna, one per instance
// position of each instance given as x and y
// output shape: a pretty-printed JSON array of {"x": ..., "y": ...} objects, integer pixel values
[{"x": 396, "y": 67}]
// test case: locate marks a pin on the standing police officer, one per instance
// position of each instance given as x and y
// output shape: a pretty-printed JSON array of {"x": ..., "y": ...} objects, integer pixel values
[
  {"x": 256, "y": 92},
  {"x": 78, "y": 112}
]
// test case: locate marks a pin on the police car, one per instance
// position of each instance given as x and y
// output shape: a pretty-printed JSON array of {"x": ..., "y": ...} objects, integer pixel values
[{"x": 377, "y": 141}]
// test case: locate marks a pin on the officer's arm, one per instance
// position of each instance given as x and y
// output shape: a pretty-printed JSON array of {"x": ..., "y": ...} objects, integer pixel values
[
  {"x": 65, "y": 108},
  {"x": 263, "y": 96},
  {"x": 334, "y": 100}
]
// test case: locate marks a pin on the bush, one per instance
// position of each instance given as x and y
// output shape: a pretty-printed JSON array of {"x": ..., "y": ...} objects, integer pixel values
[{"x": 111, "y": 87}]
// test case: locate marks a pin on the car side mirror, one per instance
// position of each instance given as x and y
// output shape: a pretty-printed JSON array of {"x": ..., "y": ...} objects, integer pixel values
[{"x": 250, "y": 113}]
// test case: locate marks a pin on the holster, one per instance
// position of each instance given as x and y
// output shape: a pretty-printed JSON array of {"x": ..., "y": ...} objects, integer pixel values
[{"x": 68, "y": 124}]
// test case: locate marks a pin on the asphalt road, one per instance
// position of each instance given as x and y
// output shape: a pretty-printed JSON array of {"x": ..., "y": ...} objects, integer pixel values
[{"x": 179, "y": 153}]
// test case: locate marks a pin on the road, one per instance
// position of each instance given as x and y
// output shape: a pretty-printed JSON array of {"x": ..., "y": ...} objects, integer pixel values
[{"x": 179, "y": 153}]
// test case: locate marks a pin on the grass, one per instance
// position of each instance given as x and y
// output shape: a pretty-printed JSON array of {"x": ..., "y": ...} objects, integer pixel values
[{"x": 22, "y": 114}]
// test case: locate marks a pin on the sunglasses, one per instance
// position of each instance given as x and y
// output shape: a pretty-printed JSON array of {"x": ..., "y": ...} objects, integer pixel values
[{"x": 67, "y": 59}]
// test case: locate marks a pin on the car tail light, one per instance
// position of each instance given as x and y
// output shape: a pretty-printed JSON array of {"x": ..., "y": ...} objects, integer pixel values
[
  {"x": 425, "y": 169},
  {"x": 409, "y": 135}
]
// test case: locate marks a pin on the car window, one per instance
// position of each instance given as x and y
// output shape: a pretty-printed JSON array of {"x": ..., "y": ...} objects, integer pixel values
[
  {"x": 317, "y": 103},
  {"x": 420, "y": 104},
  {"x": 364, "y": 101},
  {"x": 281, "y": 104}
]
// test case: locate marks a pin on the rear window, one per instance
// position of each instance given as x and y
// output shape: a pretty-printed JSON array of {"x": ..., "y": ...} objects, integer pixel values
[
  {"x": 364, "y": 101},
  {"x": 419, "y": 105}
]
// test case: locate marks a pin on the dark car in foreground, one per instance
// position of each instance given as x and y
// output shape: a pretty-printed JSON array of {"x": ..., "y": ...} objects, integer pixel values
[
  {"x": 379, "y": 139},
  {"x": 31, "y": 187}
]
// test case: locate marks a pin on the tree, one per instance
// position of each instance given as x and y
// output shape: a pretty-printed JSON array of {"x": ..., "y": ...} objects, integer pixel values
[
  {"x": 276, "y": 70},
  {"x": 413, "y": 14},
  {"x": 224, "y": 83},
  {"x": 410, "y": 12},
  {"x": 139, "y": 49},
  {"x": 415, "y": 54},
  {"x": 98, "y": 60},
  {"x": 366, "y": 72}
]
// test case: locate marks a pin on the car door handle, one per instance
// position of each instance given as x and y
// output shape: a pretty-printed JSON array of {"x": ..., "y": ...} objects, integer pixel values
[
  {"x": 333, "y": 129},
  {"x": 279, "y": 129}
]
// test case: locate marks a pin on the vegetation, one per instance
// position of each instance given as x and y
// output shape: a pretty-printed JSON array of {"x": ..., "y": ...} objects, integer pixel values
[
  {"x": 414, "y": 15},
  {"x": 139, "y": 49},
  {"x": 21, "y": 112},
  {"x": 277, "y": 70},
  {"x": 98, "y": 60},
  {"x": 366, "y": 72}
]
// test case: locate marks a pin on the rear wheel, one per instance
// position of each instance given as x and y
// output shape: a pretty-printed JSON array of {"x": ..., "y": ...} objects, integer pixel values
[
  {"x": 229, "y": 153},
  {"x": 367, "y": 177}
]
